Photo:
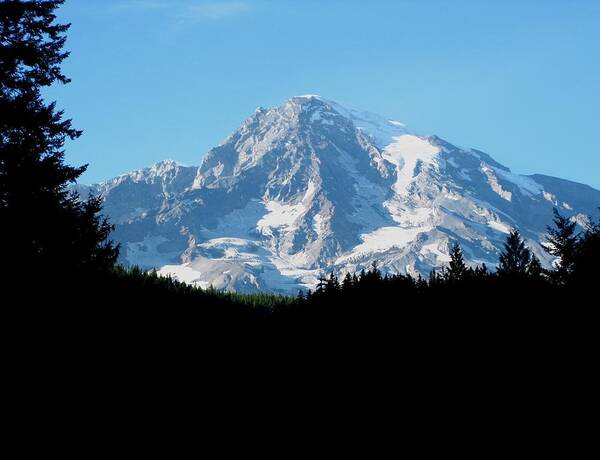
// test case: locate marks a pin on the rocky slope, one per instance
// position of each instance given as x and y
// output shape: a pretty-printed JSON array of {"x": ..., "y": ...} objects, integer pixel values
[{"x": 312, "y": 186}]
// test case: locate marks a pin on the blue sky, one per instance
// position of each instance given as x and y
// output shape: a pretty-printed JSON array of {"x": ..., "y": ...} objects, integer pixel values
[{"x": 157, "y": 79}]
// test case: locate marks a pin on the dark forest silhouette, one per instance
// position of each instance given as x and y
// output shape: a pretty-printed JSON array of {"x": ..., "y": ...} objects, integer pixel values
[
  {"x": 56, "y": 247},
  {"x": 46, "y": 229},
  {"x": 519, "y": 276}
]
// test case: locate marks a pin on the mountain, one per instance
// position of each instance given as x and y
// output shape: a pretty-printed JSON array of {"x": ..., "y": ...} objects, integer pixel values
[{"x": 312, "y": 186}]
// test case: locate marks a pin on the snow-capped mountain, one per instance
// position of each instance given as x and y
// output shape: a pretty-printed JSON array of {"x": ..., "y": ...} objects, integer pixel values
[{"x": 311, "y": 186}]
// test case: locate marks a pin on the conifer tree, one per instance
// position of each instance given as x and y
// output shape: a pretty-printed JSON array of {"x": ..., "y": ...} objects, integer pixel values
[
  {"x": 347, "y": 283},
  {"x": 332, "y": 285},
  {"x": 44, "y": 225},
  {"x": 457, "y": 268},
  {"x": 481, "y": 271},
  {"x": 362, "y": 276},
  {"x": 375, "y": 272},
  {"x": 535, "y": 269},
  {"x": 587, "y": 254},
  {"x": 321, "y": 285},
  {"x": 561, "y": 242},
  {"x": 435, "y": 278},
  {"x": 515, "y": 258}
]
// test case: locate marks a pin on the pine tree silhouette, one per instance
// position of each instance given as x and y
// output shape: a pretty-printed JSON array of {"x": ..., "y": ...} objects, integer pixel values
[
  {"x": 375, "y": 272},
  {"x": 562, "y": 242},
  {"x": 481, "y": 271},
  {"x": 362, "y": 275},
  {"x": 584, "y": 273},
  {"x": 347, "y": 283},
  {"x": 44, "y": 226},
  {"x": 457, "y": 268},
  {"x": 321, "y": 286},
  {"x": 535, "y": 269},
  {"x": 332, "y": 285},
  {"x": 515, "y": 259}
]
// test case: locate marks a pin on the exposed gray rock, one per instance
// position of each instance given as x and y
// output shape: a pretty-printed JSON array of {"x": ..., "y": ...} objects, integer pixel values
[{"x": 312, "y": 186}]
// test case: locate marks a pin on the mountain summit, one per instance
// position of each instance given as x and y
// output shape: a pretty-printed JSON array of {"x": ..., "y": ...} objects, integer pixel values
[{"x": 312, "y": 186}]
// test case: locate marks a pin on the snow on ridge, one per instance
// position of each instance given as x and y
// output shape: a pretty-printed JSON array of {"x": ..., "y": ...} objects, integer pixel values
[
  {"x": 156, "y": 170},
  {"x": 379, "y": 128},
  {"x": 308, "y": 96},
  {"x": 525, "y": 184},
  {"x": 397, "y": 123},
  {"x": 494, "y": 184}
]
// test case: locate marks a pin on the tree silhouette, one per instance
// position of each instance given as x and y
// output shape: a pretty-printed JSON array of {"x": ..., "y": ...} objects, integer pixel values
[
  {"x": 347, "y": 283},
  {"x": 535, "y": 269},
  {"x": 457, "y": 268},
  {"x": 44, "y": 226},
  {"x": 321, "y": 285},
  {"x": 515, "y": 258},
  {"x": 332, "y": 285},
  {"x": 562, "y": 242},
  {"x": 481, "y": 271},
  {"x": 584, "y": 272}
]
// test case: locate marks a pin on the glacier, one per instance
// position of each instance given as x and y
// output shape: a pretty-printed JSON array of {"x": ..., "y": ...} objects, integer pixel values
[{"x": 312, "y": 186}]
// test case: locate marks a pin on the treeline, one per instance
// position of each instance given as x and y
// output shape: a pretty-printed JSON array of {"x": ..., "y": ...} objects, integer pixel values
[
  {"x": 141, "y": 285},
  {"x": 518, "y": 280}
]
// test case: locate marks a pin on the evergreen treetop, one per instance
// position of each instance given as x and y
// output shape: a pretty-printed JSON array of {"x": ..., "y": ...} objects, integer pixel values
[
  {"x": 44, "y": 225},
  {"x": 457, "y": 269},
  {"x": 561, "y": 242},
  {"x": 515, "y": 258}
]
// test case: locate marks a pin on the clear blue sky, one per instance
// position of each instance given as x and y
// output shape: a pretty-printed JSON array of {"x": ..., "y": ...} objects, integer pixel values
[{"x": 157, "y": 79}]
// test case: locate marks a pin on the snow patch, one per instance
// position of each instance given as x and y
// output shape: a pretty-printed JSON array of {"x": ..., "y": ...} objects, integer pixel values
[
  {"x": 318, "y": 223},
  {"x": 434, "y": 250},
  {"x": 308, "y": 96},
  {"x": 397, "y": 123},
  {"x": 240, "y": 223},
  {"x": 405, "y": 152},
  {"x": 499, "y": 226},
  {"x": 317, "y": 116},
  {"x": 283, "y": 215},
  {"x": 137, "y": 213},
  {"x": 526, "y": 184},
  {"x": 185, "y": 274},
  {"x": 146, "y": 253},
  {"x": 279, "y": 215},
  {"x": 381, "y": 130},
  {"x": 550, "y": 197},
  {"x": 383, "y": 239}
]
